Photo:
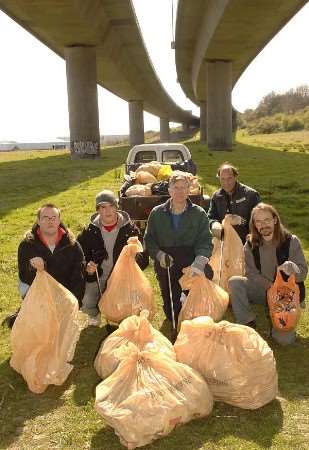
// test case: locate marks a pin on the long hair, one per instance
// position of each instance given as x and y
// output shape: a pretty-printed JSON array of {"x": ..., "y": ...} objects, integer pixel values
[{"x": 280, "y": 232}]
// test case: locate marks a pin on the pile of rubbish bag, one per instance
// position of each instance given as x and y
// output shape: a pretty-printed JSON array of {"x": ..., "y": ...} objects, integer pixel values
[
  {"x": 147, "y": 393},
  {"x": 152, "y": 179}
]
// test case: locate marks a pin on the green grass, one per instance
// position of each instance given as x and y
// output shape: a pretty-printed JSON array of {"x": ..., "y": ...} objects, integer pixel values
[{"x": 63, "y": 417}]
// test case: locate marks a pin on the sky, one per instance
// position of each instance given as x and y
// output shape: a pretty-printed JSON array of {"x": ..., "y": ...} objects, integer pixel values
[{"x": 33, "y": 93}]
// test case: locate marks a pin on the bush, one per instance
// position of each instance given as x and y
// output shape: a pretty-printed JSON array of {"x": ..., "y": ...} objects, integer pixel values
[{"x": 292, "y": 124}]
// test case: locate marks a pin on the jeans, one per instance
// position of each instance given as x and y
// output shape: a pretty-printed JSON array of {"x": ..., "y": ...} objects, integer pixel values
[
  {"x": 92, "y": 296},
  {"x": 243, "y": 292}
]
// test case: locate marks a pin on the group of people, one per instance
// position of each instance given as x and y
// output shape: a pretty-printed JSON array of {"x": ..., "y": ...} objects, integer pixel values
[{"x": 178, "y": 234}]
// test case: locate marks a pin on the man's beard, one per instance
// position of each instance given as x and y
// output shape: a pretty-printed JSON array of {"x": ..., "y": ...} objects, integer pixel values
[{"x": 266, "y": 231}]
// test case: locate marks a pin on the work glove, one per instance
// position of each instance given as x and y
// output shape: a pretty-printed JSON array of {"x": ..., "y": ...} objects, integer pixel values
[
  {"x": 38, "y": 263},
  {"x": 199, "y": 264},
  {"x": 236, "y": 220},
  {"x": 164, "y": 259},
  {"x": 289, "y": 267},
  {"x": 216, "y": 230},
  {"x": 183, "y": 298},
  {"x": 91, "y": 267}
]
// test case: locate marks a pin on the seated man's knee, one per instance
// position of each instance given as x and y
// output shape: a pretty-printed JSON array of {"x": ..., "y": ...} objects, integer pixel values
[{"x": 236, "y": 282}]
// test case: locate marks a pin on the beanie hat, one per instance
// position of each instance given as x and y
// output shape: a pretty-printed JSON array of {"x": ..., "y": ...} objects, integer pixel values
[{"x": 106, "y": 196}]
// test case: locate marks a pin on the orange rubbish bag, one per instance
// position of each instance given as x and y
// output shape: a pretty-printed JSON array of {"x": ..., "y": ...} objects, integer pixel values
[
  {"x": 45, "y": 333},
  {"x": 128, "y": 291},
  {"x": 204, "y": 299},
  {"x": 228, "y": 258},
  {"x": 136, "y": 330},
  {"x": 236, "y": 362},
  {"x": 283, "y": 303},
  {"x": 148, "y": 395}
]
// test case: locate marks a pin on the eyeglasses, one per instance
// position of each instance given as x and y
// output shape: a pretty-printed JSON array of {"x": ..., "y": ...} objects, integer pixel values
[
  {"x": 179, "y": 188},
  {"x": 266, "y": 221},
  {"x": 47, "y": 218}
]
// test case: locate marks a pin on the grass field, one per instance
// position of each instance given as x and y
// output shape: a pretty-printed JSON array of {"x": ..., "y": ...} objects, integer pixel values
[{"x": 63, "y": 417}]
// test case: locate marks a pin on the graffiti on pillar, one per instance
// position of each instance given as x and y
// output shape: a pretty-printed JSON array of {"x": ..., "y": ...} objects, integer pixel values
[{"x": 85, "y": 147}]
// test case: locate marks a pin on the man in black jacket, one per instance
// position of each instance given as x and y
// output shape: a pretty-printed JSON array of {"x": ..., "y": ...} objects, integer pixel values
[
  {"x": 102, "y": 241},
  {"x": 51, "y": 246},
  {"x": 233, "y": 198}
]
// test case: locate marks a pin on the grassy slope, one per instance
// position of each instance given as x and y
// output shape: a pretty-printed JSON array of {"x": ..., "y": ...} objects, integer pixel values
[{"x": 63, "y": 417}]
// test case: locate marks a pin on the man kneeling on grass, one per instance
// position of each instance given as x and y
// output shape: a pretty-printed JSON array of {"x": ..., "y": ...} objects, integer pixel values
[
  {"x": 269, "y": 247},
  {"x": 50, "y": 246}
]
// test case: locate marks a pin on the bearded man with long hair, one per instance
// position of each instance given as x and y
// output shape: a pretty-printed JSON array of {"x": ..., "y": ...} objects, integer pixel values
[{"x": 269, "y": 247}]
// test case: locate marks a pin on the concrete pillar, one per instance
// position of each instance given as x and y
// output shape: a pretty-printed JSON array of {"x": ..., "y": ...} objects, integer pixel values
[
  {"x": 164, "y": 130},
  {"x": 186, "y": 128},
  {"x": 219, "y": 105},
  {"x": 203, "y": 122},
  {"x": 136, "y": 121},
  {"x": 81, "y": 72}
]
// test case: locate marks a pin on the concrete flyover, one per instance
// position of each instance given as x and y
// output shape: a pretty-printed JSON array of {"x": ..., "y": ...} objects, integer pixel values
[
  {"x": 215, "y": 42},
  {"x": 101, "y": 43}
]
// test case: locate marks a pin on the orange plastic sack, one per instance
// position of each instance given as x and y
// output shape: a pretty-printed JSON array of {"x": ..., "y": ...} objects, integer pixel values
[
  {"x": 283, "y": 303},
  {"x": 148, "y": 395},
  {"x": 142, "y": 190},
  {"x": 143, "y": 177},
  {"x": 236, "y": 362},
  {"x": 128, "y": 291},
  {"x": 205, "y": 297},
  {"x": 152, "y": 167},
  {"x": 136, "y": 330},
  {"x": 228, "y": 260},
  {"x": 45, "y": 333}
]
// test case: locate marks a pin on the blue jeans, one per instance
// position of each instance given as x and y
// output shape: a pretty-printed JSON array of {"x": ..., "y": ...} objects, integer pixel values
[{"x": 243, "y": 292}]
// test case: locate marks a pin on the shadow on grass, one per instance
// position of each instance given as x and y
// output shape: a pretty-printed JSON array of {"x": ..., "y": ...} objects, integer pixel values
[
  {"x": 225, "y": 425},
  {"x": 28, "y": 180},
  {"x": 18, "y": 405},
  {"x": 293, "y": 369},
  {"x": 85, "y": 377}
]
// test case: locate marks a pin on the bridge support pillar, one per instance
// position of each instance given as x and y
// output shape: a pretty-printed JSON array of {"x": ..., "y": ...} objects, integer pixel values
[
  {"x": 81, "y": 73},
  {"x": 219, "y": 105},
  {"x": 186, "y": 128},
  {"x": 164, "y": 129},
  {"x": 136, "y": 122},
  {"x": 203, "y": 122}
]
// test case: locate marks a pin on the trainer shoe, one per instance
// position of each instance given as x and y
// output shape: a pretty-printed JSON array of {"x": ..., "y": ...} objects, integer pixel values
[{"x": 94, "y": 321}]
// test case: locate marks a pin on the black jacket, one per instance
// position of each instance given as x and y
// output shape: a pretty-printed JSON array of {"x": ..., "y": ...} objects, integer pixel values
[
  {"x": 66, "y": 263},
  {"x": 241, "y": 202},
  {"x": 94, "y": 249}
]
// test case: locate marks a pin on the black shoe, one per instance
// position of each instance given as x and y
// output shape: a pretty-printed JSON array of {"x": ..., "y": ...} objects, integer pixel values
[
  {"x": 251, "y": 324},
  {"x": 111, "y": 328},
  {"x": 9, "y": 320}
]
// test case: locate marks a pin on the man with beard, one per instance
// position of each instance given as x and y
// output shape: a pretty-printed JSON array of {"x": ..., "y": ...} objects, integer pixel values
[
  {"x": 269, "y": 247},
  {"x": 232, "y": 198}
]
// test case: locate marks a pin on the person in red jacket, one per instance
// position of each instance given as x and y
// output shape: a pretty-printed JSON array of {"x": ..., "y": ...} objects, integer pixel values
[{"x": 50, "y": 246}]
